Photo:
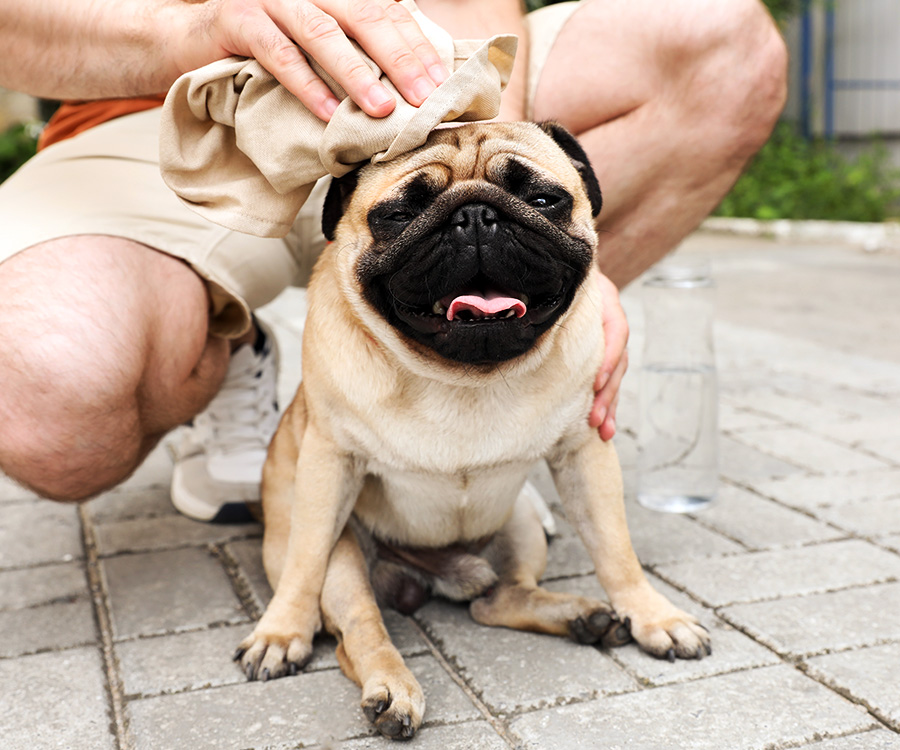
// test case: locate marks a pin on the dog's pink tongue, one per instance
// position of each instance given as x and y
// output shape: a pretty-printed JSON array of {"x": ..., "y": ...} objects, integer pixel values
[{"x": 490, "y": 304}]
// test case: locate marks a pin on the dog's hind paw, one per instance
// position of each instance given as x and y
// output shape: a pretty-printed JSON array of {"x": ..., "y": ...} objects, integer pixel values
[
  {"x": 395, "y": 704},
  {"x": 600, "y": 627},
  {"x": 264, "y": 657}
]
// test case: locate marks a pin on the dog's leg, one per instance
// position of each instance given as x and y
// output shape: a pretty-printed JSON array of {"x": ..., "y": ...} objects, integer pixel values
[
  {"x": 518, "y": 553},
  {"x": 391, "y": 697},
  {"x": 278, "y": 486},
  {"x": 326, "y": 486},
  {"x": 589, "y": 481}
]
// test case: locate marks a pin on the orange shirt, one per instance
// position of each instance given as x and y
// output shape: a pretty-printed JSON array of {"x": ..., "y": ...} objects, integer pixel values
[{"x": 74, "y": 117}]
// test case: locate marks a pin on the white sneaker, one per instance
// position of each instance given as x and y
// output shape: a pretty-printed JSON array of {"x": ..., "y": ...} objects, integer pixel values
[{"x": 220, "y": 455}]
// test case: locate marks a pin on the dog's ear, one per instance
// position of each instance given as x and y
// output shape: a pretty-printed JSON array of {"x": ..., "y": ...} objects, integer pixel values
[
  {"x": 570, "y": 145},
  {"x": 339, "y": 192}
]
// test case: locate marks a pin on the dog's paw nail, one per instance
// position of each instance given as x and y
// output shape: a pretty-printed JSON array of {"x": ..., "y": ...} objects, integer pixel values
[
  {"x": 670, "y": 655},
  {"x": 623, "y": 634},
  {"x": 700, "y": 652},
  {"x": 627, "y": 624},
  {"x": 265, "y": 675},
  {"x": 239, "y": 654},
  {"x": 293, "y": 668}
]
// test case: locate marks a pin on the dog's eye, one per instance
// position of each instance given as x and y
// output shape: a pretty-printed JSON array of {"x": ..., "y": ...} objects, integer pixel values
[
  {"x": 542, "y": 201},
  {"x": 400, "y": 217}
]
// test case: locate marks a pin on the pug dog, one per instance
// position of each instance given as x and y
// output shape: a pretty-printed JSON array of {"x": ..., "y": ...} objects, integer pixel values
[{"x": 453, "y": 337}]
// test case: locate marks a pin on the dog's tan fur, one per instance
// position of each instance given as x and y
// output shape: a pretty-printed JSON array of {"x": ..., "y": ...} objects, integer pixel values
[{"x": 383, "y": 428}]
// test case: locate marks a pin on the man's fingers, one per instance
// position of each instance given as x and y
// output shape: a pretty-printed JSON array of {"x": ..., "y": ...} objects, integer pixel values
[
  {"x": 418, "y": 42},
  {"x": 283, "y": 58},
  {"x": 321, "y": 36},
  {"x": 607, "y": 397},
  {"x": 615, "y": 361},
  {"x": 391, "y": 37}
]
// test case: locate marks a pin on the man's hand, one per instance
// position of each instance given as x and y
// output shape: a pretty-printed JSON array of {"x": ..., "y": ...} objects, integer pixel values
[
  {"x": 615, "y": 362},
  {"x": 275, "y": 31}
]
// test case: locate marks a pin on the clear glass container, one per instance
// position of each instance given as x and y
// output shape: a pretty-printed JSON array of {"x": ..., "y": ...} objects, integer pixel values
[{"x": 678, "y": 456}]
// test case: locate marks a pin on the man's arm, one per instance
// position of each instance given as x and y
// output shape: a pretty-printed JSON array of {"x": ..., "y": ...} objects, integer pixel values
[{"x": 81, "y": 49}]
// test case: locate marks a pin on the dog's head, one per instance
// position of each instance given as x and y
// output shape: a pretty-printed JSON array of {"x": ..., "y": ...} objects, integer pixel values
[{"x": 473, "y": 245}]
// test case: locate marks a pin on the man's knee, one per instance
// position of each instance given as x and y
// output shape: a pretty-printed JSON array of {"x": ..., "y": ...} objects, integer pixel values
[
  {"x": 734, "y": 56},
  {"x": 68, "y": 425}
]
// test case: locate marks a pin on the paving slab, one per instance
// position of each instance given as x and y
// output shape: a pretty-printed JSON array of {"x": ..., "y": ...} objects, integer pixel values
[
  {"x": 759, "y": 523},
  {"x": 248, "y": 556},
  {"x": 511, "y": 670},
  {"x": 122, "y": 505},
  {"x": 296, "y": 711},
  {"x": 887, "y": 448},
  {"x": 744, "y": 711},
  {"x": 795, "y": 408},
  {"x": 745, "y": 465},
  {"x": 868, "y": 518},
  {"x": 11, "y": 491},
  {"x": 822, "y": 622},
  {"x": 56, "y": 626},
  {"x": 660, "y": 538},
  {"x": 55, "y": 700},
  {"x": 736, "y": 417},
  {"x": 868, "y": 675},
  {"x": 41, "y": 532},
  {"x": 166, "y": 532},
  {"x": 809, "y": 493},
  {"x": 818, "y": 454},
  {"x": 787, "y": 572},
  {"x": 48, "y": 583},
  {"x": 159, "y": 592},
  {"x": 875, "y": 739},
  {"x": 472, "y": 736}
]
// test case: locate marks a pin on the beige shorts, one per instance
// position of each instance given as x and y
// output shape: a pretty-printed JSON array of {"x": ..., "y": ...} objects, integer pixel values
[{"x": 106, "y": 181}]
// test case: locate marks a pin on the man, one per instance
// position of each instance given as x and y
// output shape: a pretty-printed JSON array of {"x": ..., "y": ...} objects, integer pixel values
[{"x": 122, "y": 315}]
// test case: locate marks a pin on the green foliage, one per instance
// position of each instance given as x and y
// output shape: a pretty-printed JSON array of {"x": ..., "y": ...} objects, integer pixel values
[
  {"x": 792, "y": 178},
  {"x": 784, "y": 9},
  {"x": 16, "y": 145}
]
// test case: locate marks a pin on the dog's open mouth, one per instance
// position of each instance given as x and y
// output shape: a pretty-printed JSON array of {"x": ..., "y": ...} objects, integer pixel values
[{"x": 479, "y": 303}]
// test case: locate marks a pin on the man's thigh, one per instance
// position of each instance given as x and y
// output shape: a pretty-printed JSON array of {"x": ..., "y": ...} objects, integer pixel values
[{"x": 106, "y": 182}]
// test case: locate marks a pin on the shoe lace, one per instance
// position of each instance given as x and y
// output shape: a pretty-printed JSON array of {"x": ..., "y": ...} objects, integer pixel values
[{"x": 244, "y": 414}]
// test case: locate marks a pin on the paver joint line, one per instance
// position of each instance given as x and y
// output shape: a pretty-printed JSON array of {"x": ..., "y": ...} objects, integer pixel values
[
  {"x": 101, "y": 612},
  {"x": 496, "y": 724}
]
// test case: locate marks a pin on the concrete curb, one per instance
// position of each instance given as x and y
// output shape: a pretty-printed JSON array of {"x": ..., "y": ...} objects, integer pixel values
[{"x": 871, "y": 237}]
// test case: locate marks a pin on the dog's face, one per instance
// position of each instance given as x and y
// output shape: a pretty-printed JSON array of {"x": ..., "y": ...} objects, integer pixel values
[{"x": 474, "y": 245}]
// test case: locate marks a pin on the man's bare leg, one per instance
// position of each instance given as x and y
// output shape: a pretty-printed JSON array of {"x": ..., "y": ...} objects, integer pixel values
[
  {"x": 104, "y": 347},
  {"x": 670, "y": 101}
]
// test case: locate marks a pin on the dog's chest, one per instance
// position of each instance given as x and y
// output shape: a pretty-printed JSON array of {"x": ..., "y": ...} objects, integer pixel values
[
  {"x": 425, "y": 509},
  {"x": 452, "y": 470}
]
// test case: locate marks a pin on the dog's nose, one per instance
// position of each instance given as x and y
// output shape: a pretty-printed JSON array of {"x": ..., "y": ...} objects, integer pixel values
[{"x": 475, "y": 221}]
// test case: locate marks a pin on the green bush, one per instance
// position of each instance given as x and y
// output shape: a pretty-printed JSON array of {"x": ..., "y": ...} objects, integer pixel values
[
  {"x": 16, "y": 145},
  {"x": 792, "y": 178}
]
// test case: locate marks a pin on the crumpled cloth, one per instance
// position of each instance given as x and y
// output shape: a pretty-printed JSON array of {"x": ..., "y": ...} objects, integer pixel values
[{"x": 242, "y": 151}]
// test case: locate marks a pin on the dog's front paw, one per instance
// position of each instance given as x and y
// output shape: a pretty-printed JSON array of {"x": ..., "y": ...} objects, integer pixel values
[
  {"x": 395, "y": 704},
  {"x": 667, "y": 633},
  {"x": 265, "y": 656}
]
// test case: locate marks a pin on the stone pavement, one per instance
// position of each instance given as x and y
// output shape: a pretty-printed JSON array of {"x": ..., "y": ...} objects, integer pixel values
[{"x": 118, "y": 618}]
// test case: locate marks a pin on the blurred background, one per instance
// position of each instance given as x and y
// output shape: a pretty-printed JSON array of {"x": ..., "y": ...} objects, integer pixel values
[{"x": 834, "y": 156}]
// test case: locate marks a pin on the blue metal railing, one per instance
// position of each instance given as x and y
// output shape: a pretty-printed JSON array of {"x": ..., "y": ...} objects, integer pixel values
[{"x": 832, "y": 84}]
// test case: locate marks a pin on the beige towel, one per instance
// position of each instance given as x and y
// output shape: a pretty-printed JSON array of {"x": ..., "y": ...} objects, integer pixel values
[{"x": 242, "y": 151}]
